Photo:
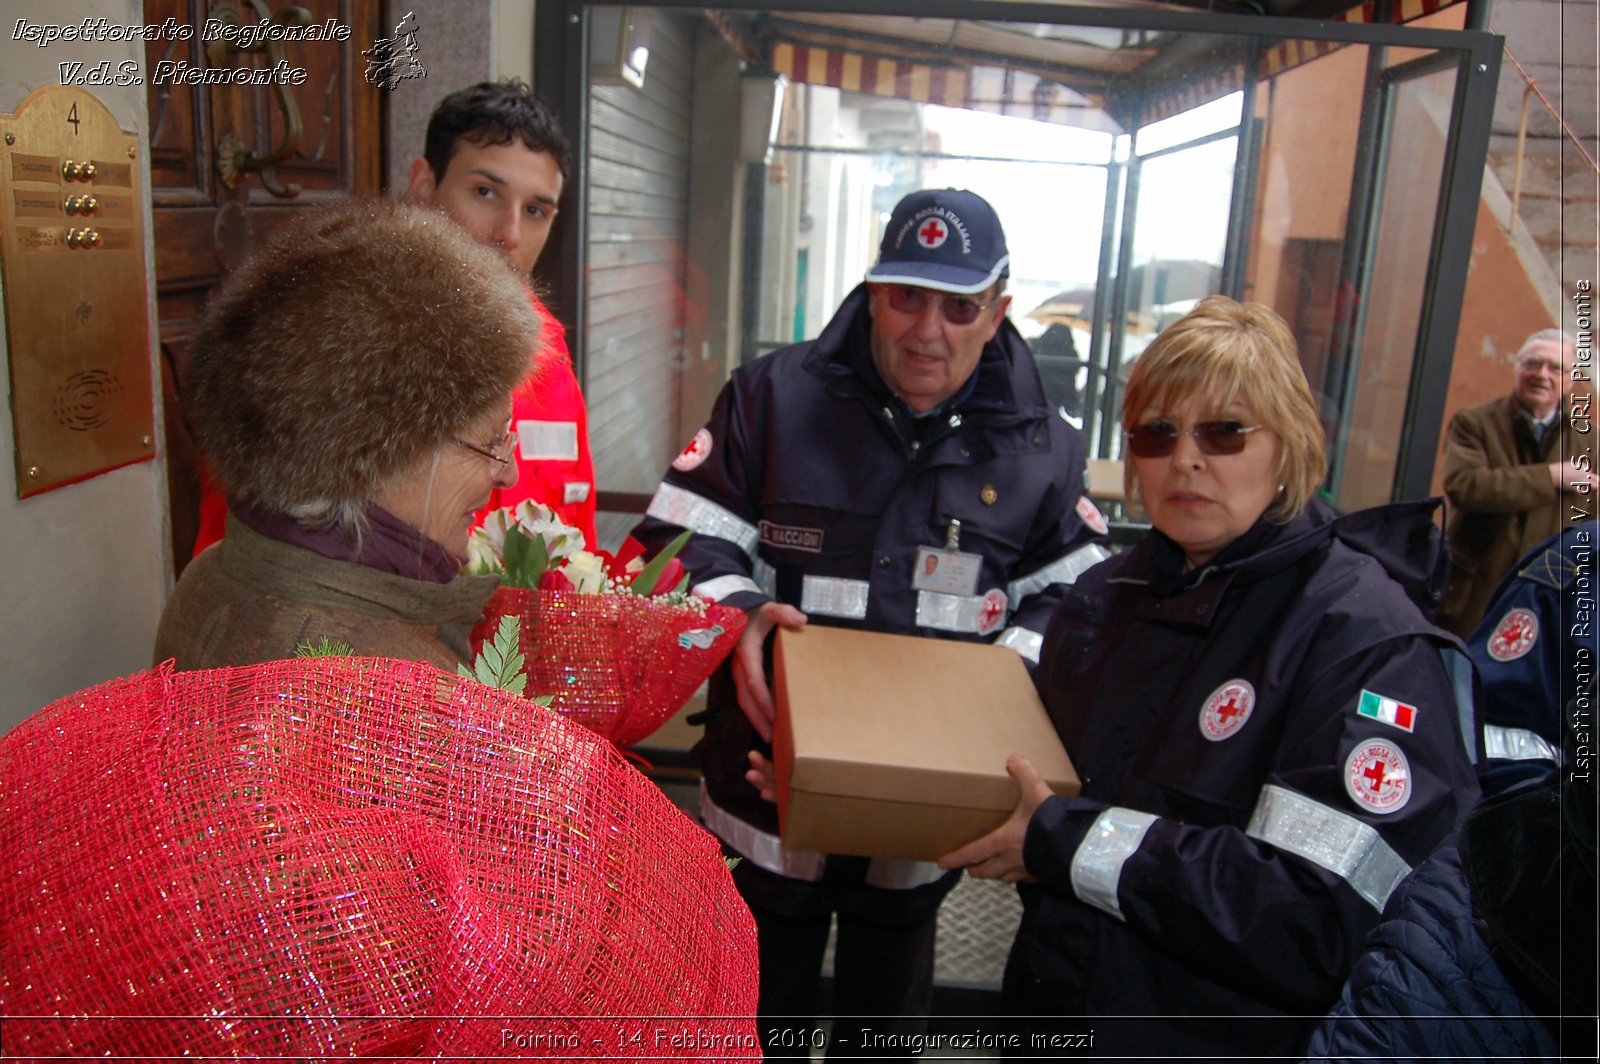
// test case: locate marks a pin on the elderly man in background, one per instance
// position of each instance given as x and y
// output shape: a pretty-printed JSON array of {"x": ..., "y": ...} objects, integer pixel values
[{"x": 1510, "y": 477}]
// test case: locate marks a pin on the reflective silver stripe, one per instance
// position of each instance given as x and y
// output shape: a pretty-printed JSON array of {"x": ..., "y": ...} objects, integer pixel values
[
  {"x": 1517, "y": 744},
  {"x": 1097, "y": 866},
  {"x": 766, "y": 850},
  {"x": 759, "y": 847},
  {"x": 901, "y": 875},
  {"x": 723, "y": 586},
  {"x": 685, "y": 509},
  {"x": 951, "y": 613},
  {"x": 1350, "y": 849},
  {"x": 1023, "y": 641},
  {"x": 1061, "y": 571},
  {"x": 834, "y": 597},
  {"x": 766, "y": 579}
]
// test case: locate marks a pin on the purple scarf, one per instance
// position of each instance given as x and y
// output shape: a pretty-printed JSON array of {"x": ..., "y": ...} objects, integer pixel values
[{"x": 390, "y": 545}]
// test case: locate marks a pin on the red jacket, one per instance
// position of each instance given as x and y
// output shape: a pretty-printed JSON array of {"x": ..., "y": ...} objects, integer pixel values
[{"x": 553, "y": 460}]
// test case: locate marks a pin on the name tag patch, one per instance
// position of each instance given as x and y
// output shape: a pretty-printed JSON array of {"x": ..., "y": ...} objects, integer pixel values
[
  {"x": 791, "y": 538},
  {"x": 548, "y": 441}
]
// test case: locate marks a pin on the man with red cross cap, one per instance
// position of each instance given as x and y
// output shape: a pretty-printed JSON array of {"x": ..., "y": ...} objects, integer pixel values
[{"x": 914, "y": 428}]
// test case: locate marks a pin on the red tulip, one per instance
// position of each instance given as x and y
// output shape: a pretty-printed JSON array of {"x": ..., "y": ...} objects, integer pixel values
[{"x": 669, "y": 577}]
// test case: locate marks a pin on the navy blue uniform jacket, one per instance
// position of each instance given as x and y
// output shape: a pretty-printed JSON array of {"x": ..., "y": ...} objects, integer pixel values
[
  {"x": 1242, "y": 820},
  {"x": 808, "y": 486}
]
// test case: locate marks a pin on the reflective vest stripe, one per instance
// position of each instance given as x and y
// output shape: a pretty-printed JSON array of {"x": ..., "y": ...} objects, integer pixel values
[
  {"x": 765, "y": 850},
  {"x": 677, "y": 506},
  {"x": 1335, "y": 840},
  {"x": 951, "y": 613},
  {"x": 1517, "y": 744},
  {"x": 720, "y": 588},
  {"x": 1097, "y": 866},
  {"x": 1023, "y": 641},
  {"x": 1063, "y": 570},
  {"x": 834, "y": 596}
]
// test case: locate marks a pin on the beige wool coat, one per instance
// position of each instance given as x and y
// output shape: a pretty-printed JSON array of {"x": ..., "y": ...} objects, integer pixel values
[
  {"x": 250, "y": 598},
  {"x": 1502, "y": 503}
]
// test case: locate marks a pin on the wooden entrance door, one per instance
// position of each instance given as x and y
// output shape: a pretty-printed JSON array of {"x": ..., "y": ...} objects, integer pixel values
[{"x": 231, "y": 164}]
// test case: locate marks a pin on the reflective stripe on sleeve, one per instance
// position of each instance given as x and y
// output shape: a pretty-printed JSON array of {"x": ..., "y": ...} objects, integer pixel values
[
  {"x": 677, "y": 506},
  {"x": 1517, "y": 744},
  {"x": 760, "y": 847},
  {"x": 765, "y": 850},
  {"x": 834, "y": 596},
  {"x": 1024, "y": 642},
  {"x": 1337, "y": 841},
  {"x": 723, "y": 586},
  {"x": 1097, "y": 866},
  {"x": 1063, "y": 570}
]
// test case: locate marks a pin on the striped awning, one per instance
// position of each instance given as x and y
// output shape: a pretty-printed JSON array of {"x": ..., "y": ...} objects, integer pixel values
[{"x": 999, "y": 90}]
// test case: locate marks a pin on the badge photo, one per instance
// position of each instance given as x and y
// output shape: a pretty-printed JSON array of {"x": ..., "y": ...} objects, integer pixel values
[
  {"x": 1377, "y": 777},
  {"x": 1515, "y": 635},
  {"x": 1225, "y": 712}
]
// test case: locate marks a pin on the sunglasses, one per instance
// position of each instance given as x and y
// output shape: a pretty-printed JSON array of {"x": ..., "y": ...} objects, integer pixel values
[
  {"x": 1158, "y": 439},
  {"x": 957, "y": 310}
]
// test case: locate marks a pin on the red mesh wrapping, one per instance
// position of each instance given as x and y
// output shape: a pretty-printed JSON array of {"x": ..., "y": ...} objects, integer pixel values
[
  {"x": 345, "y": 856},
  {"x": 614, "y": 663}
]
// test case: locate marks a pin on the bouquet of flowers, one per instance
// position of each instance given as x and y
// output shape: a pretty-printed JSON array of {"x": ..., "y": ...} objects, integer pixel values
[{"x": 617, "y": 644}]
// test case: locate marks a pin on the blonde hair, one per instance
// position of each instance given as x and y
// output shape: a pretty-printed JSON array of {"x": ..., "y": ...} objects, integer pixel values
[{"x": 1225, "y": 351}]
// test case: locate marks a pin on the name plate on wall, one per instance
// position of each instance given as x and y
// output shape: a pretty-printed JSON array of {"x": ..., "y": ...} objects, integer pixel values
[{"x": 76, "y": 303}]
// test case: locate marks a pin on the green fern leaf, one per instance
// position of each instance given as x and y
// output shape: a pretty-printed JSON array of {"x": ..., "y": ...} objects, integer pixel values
[
  {"x": 323, "y": 648},
  {"x": 500, "y": 661}
]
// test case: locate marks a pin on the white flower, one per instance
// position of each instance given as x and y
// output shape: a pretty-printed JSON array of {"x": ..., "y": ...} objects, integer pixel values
[
  {"x": 586, "y": 571},
  {"x": 482, "y": 557},
  {"x": 540, "y": 522},
  {"x": 487, "y": 545}
]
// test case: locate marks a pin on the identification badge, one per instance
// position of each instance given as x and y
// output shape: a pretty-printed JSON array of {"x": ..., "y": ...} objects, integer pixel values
[
  {"x": 548, "y": 441},
  {"x": 574, "y": 491},
  {"x": 952, "y": 572}
]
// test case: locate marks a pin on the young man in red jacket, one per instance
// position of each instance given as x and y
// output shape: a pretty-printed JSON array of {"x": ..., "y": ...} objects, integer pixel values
[{"x": 495, "y": 159}]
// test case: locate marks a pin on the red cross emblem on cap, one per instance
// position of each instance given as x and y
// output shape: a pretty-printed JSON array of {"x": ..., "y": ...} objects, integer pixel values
[{"x": 932, "y": 234}]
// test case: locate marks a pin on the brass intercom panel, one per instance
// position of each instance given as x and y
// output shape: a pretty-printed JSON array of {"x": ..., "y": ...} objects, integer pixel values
[{"x": 72, "y": 244}]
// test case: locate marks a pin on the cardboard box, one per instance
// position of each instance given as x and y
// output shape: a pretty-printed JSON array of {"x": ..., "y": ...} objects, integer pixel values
[{"x": 894, "y": 746}]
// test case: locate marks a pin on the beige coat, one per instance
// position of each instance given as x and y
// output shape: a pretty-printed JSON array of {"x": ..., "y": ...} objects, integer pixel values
[
  {"x": 1502, "y": 503},
  {"x": 250, "y": 599}
]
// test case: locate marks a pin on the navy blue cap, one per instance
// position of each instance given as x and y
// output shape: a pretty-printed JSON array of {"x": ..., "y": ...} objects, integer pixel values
[{"x": 947, "y": 239}]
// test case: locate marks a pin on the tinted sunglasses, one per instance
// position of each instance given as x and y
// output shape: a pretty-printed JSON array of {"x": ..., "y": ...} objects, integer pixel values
[
  {"x": 1158, "y": 439},
  {"x": 957, "y": 310}
]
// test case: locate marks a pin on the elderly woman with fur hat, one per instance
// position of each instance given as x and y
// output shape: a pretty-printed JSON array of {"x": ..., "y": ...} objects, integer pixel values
[{"x": 351, "y": 391}]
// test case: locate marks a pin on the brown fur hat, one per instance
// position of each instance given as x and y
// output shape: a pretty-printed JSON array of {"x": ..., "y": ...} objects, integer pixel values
[{"x": 358, "y": 340}]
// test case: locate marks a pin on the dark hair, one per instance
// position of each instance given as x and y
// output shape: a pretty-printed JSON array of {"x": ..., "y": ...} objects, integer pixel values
[{"x": 494, "y": 112}]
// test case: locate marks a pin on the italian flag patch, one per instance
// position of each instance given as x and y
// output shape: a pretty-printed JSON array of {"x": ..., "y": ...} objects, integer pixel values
[{"x": 1396, "y": 714}]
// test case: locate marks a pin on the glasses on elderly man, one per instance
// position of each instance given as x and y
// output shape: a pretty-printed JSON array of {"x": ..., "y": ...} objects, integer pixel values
[
  {"x": 500, "y": 450},
  {"x": 1158, "y": 439},
  {"x": 957, "y": 310}
]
